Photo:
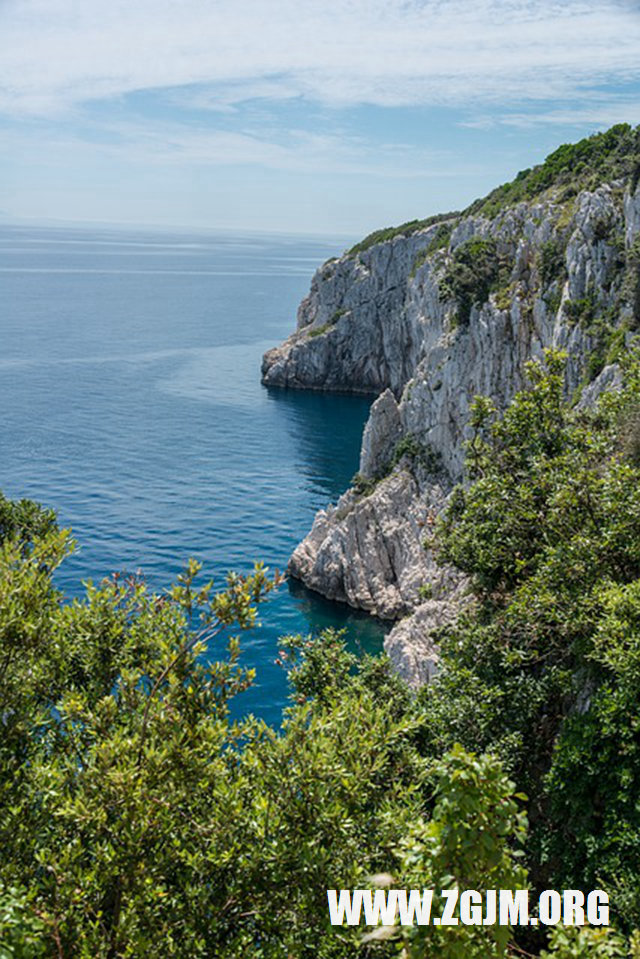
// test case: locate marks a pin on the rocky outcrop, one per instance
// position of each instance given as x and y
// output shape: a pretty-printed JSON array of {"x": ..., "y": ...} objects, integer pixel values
[
  {"x": 369, "y": 551},
  {"x": 632, "y": 215},
  {"x": 411, "y": 645},
  {"x": 351, "y": 333},
  {"x": 430, "y": 320},
  {"x": 609, "y": 379},
  {"x": 382, "y": 434}
]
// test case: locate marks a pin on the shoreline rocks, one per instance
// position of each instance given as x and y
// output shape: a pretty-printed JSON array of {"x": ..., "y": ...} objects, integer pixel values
[{"x": 405, "y": 320}]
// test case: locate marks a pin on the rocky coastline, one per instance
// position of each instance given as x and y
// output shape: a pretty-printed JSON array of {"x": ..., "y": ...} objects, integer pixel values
[{"x": 428, "y": 319}]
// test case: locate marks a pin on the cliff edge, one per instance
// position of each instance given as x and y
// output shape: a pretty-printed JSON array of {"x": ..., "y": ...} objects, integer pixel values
[{"x": 433, "y": 313}]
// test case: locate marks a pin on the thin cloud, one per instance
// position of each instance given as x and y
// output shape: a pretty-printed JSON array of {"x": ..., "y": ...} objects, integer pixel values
[
  {"x": 594, "y": 114},
  {"x": 56, "y": 55},
  {"x": 162, "y": 145}
]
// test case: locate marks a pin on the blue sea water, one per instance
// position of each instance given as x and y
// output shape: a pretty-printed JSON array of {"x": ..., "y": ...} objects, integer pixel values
[{"x": 130, "y": 401}]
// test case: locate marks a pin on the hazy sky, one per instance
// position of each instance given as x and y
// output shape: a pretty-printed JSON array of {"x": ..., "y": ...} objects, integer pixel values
[{"x": 296, "y": 115}]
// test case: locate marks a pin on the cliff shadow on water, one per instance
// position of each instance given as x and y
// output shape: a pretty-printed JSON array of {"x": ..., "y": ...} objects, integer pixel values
[
  {"x": 365, "y": 634},
  {"x": 327, "y": 430}
]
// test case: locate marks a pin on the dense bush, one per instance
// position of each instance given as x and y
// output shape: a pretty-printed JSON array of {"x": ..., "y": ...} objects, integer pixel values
[
  {"x": 405, "y": 229},
  {"x": 474, "y": 270},
  {"x": 602, "y": 157},
  {"x": 542, "y": 671},
  {"x": 136, "y": 817},
  {"x": 552, "y": 261}
]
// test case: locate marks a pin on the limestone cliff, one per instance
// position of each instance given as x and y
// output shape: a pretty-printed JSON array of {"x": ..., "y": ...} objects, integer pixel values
[{"x": 431, "y": 317}]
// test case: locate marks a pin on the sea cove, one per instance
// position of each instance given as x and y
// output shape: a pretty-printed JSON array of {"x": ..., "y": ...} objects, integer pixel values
[{"x": 131, "y": 403}]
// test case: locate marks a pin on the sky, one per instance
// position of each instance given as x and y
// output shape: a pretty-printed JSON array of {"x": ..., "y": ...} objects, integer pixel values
[{"x": 296, "y": 116}]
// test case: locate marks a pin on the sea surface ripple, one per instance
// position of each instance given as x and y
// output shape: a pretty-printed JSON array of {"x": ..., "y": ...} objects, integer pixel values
[{"x": 130, "y": 401}]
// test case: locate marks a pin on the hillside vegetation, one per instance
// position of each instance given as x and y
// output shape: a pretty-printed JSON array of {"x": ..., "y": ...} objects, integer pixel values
[
  {"x": 601, "y": 158},
  {"x": 136, "y": 817}
]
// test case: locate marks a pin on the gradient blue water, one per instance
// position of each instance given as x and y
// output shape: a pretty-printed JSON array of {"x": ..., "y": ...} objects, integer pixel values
[{"x": 130, "y": 401}]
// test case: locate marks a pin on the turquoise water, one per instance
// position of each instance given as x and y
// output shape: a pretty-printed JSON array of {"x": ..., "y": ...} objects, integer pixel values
[{"x": 130, "y": 401}]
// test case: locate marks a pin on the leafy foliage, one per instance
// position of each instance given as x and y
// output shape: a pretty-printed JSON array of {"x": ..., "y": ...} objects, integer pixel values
[
  {"x": 471, "y": 842},
  {"x": 581, "y": 311},
  {"x": 474, "y": 271},
  {"x": 405, "y": 229},
  {"x": 319, "y": 330},
  {"x": 551, "y": 261},
  {"x": 606, "y": 156},
  {"x": 22, "y": 932},
  {"x": 631, "y": 286},
  {"x": 137, "y": 817},
  {"x": 24, "y": 520},
  {"x": 543, "y": 670},
  {"x": 587, "y": 943}
]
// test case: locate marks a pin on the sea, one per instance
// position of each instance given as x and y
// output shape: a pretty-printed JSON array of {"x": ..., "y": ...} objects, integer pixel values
[{"x": 131, "y": 403}]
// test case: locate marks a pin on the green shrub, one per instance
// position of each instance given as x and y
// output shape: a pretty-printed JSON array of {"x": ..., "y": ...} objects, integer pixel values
[
  {"x": 23, "y": 934},
  {"x": 411, "y": 447},
  {"x": 364, "y": 485},
  {"x": 581, "y": 311},
  {"x": 568, "y": 942},
  {"x": 631, "y": 282},
  {"x": 553, "y": 301},
  {"x": 603, "y": 157},
  {"x": 549, "y": 531},
  {"x": 474, "y": 271},
  {"x": 137, "y": 818},
  {"x": 405, "y": 229},
  {"x": 472, "y": 841},
  {"x": 551, "y": 261},
  {"x": 504, "y": 296},
  {"x": 320, "y": 330}
]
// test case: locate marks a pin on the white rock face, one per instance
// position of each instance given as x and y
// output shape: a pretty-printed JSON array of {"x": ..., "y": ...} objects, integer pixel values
[
  {"x": 411, "y": 646},
  {"x": 352, "y": 333},
  {"x": 386, "y": 320},
  {"x": 382, "y": 434},
  {"x": 632, "y": 215},
  {"x": 609, "y": 379},
  {"x": 368, "y": 550}
]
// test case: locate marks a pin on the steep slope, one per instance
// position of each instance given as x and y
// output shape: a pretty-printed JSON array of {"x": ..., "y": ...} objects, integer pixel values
[{"x": 434, "y": 313}]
